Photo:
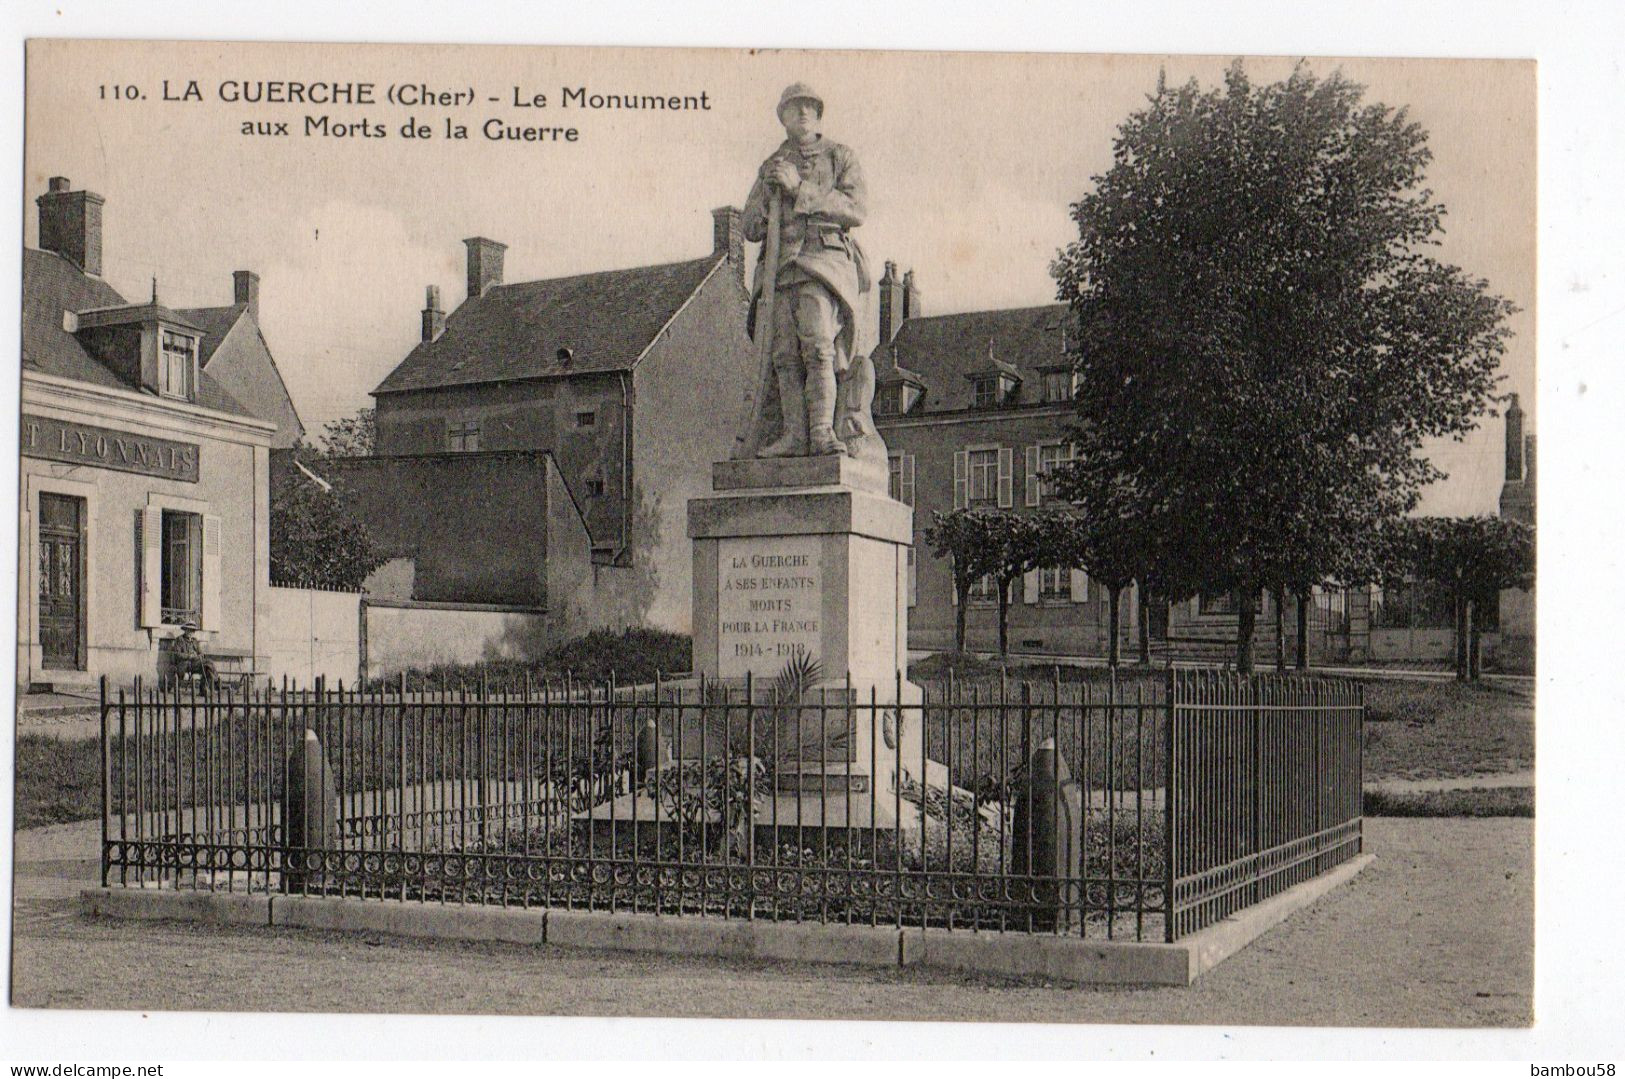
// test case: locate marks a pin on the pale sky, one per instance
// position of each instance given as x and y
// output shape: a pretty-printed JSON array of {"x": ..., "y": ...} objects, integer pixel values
[{"x": 971, "y": 159}]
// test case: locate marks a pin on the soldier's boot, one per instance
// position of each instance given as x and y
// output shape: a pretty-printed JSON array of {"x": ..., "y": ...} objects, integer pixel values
[
  {"x": 792, "y": 442},
  {"x": 821, "y": 438}
]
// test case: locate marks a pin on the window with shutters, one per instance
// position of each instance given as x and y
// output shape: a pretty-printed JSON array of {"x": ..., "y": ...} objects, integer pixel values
[
  {"x": 1055, "y": 584},
  {"x": 177, "y": 366},
  {"x": 181, "y": 581},
  {"x": 900, "y": 484},
  {"x": 1051, "y": 457},
  {"x": 982, "y": 476}
]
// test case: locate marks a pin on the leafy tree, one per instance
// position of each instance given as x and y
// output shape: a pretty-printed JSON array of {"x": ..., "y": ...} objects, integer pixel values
[
  {"x": 1264, "y": 339},
  {"x": 1475, "y": 558},
  {"x": 316, "y": 542},
  {"x": 1103, "y": 536},
  {"x": 352, "y": 436},
  {"x": 975, "y": 542}
]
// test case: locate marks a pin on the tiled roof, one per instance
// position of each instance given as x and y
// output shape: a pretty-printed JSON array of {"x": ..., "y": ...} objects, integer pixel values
[
  {"x": 946, "y": 351},
  {"x": 516, "y": 331},
  {"x": 52, "y": 285},
  {"x": 215, "y": 322}
]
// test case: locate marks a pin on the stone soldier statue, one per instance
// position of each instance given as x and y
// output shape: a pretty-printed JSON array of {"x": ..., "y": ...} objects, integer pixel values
[{"x": 824, "y": 385}]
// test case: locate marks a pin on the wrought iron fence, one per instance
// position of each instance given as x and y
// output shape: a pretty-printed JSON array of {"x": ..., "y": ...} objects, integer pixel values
[{"x": 1143, "y": 808}]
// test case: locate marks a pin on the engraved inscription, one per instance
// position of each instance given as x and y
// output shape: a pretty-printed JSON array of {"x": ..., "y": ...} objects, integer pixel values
[{"x": 769, "y": 603}]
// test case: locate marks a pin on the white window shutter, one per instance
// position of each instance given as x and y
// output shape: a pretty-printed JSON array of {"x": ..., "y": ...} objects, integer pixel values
[
  {"x": 1006, "y": 467},
  {"x": 913, "y": 579},
  {"x": 209, "y": 615},
  {"x": 150, "y": 541},
  {"x": 960, "y": 465},
  {"x": 1080, "y": 586},
  {"x": 1032, "y": 475},
  {"x": 908, "y": 479},
  {"x": 1029, "y": 586}
]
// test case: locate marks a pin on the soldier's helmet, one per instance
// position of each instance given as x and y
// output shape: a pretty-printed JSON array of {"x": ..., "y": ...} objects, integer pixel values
[{"x": 795, "y": 92}]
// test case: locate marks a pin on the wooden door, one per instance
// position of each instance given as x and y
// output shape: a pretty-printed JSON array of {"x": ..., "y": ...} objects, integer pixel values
[{"x": 61, "y": 581}]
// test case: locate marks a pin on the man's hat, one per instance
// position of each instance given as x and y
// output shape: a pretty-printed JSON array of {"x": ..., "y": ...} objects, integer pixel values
[{"x": 798, "y": 90}]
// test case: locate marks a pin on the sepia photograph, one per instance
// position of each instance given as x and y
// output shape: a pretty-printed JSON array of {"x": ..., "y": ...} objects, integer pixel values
[{"x": 777, "y": 534}]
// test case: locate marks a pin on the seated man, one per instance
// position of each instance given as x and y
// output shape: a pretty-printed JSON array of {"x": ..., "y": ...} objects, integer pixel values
[{"x": 186, "y": 658}]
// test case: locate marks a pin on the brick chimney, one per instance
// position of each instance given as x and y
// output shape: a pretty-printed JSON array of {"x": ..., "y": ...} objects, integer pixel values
[
  {"x": 1515, "y": 462},
  {"x": 911, "y": 298},
  {"x": 245, "y": 290},
  {"x": 1529, "y": 460},
  {"x": 728, "y": 237},
  {"x": 484, "y": 265},
  {"x": 70, "y": 224},
  {"x": 434, "y": 319},
  {"x": 891, "y": 303}
]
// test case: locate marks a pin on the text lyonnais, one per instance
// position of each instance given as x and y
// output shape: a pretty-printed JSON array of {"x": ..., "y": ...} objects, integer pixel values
[{"x": 82, "y": 444}]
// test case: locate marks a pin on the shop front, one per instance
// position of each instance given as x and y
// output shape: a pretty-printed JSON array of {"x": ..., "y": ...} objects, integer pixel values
[{"x": 138, "y": 517}]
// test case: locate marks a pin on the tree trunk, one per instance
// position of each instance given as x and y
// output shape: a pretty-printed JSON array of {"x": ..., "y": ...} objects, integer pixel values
[
  {"x": 1246, "y": 621},
  {"x": 963, "y": 588},
  {"x": 1004, "y": 607},
  {"x": 1145, "y": 626},
  {"x": 1114, "y": 648},
  {"x": 1461, "y": 637},
  {"x": 1279, "y": 598},
  {"x": 1472, "y": 641},
  {"x": 1303, "y": 631}
]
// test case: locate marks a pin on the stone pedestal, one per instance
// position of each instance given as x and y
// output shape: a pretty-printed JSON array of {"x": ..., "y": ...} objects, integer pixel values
[{"x": 810, "y": 554}]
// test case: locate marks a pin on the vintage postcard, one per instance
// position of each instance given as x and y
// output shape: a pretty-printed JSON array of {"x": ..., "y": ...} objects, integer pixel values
[{"x": 777, "y": 534}]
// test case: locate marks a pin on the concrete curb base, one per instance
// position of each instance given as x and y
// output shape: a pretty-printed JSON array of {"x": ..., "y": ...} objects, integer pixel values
[
  {"x": 152, "y": 904},
  {"x": 1067, "y": 959},
  {"x": 1221, "y": 940}
]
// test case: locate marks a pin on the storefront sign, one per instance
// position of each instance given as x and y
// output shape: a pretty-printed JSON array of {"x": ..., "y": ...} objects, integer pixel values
[{"x": 82, "y": 444}]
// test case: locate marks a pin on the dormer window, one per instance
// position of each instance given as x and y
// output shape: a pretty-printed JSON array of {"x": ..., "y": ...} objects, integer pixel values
[
  {"x": 1060, "y": 386},
  {"x": 177, "y": 366},
  {"x": 992, "y": 391},
  {"x": 896, "y": 399}
]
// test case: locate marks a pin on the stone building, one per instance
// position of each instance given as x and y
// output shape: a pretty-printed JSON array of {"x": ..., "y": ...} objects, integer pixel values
[
  {"x": 974, "y": 408},
  {"x": 629, "y": 379},
  {"x": 144, "y": 499}
]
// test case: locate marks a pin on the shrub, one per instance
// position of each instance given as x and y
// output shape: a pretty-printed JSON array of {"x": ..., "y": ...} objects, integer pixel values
[{"x": 629, "y": 657}]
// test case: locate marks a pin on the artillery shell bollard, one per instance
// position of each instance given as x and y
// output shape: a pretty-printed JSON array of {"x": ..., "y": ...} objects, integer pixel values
[
  {"x": 651, "y": 750},
  {"x": 1047, "y": 840},
  {"x": 310, "y": 807}
]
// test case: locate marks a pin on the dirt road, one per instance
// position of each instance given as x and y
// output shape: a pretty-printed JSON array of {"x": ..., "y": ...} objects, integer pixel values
[{"x": 1438, "y": 932}]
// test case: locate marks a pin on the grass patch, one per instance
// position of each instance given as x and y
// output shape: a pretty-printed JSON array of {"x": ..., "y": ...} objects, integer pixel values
[
  {"x": 1423, "y": 730},
  {"x": 1478, "y": 802},
  {"x": 58, "y": 780}
]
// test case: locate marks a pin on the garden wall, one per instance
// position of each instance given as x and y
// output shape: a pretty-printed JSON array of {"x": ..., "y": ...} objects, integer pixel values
[
  {"x": 401, "y": 635},
  {"x": 311, "y": 634}
]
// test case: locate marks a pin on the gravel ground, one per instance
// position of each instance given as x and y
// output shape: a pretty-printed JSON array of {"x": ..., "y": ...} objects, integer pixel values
[{"x": 1438, "y": 932}]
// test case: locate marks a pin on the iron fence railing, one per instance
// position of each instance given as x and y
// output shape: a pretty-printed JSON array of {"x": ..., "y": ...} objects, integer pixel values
[{"x": 1144, "y": 807}]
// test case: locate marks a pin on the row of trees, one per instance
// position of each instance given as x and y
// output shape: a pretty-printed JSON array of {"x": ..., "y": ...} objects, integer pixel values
[
  {"x": 1473, "y": 558},
  {"x": 1264, "y": 340}
]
